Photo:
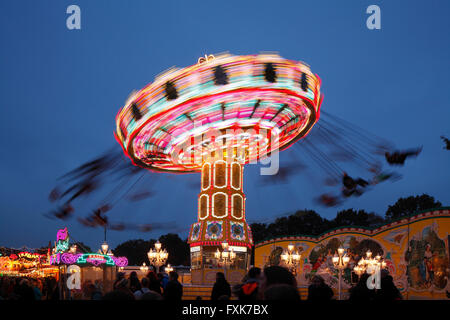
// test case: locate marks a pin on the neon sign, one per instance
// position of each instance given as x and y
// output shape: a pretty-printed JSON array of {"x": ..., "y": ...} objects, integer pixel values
[
  {"x": 62, "y": 240},
  {"x": 29, "y": 255},
  {"x": 91, "y": 258}
]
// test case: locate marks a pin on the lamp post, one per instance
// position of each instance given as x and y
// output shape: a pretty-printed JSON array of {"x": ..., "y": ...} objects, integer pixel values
[
  {"x": 157, "y": 257},
  {"x": 144, "y": 268},
  {"x": 104, "y": 250},
  {"x": 226, "y": 257},
  {"x": 104, "y": 247},
  {"x": 340, "y": 261},
  {"x": 168, "y": 268},
  {"x": 291, "y": 258},
  {"x": 73, "y": 249},
  {"x": 369, "y": 264}
]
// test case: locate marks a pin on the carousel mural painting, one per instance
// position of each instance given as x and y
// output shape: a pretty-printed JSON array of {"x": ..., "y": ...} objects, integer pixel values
[
  {"x": 428, "y": 260},
  {"x": 415, "y": 250}
]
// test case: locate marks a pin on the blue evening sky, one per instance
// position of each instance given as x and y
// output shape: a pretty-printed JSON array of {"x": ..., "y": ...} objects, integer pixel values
[{"x": 61, "y": 89}]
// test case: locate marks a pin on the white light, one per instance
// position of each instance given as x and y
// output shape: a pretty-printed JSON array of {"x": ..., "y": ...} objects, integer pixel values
[
  {"x": 104, "y": 247},
  {"x": 238, "y": 249},
  {"x": 224, "y": 245},
  {"x": 195, "y": 249},
  {"x": 346, "y": 259}
]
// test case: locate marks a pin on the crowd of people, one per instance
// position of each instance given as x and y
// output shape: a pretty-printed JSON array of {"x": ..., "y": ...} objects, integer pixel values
[
  {"x": 278, "y": 283},
  {"x": 151, "y": 287},
  {"x": 28, "y": 289},
  {"x": 272, "y": 283}
]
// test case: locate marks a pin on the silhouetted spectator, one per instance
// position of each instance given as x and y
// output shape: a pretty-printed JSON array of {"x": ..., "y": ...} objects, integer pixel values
[
  {"x": 118, "y": 295},
  {"x": 25, "y": 291},
  {"x": 37, "y": 292},
  {"x": 248, "y": 291},
  {"x": 120, "y": 276},
  {"x": 145, "y": 282},
  {"x": 123, "y": 286},
  {"x": 361, "y": 292},
  {"x": 151, "y": 295},
  {"x": 283, "y": 292},
  {"x": 135, "y": 284},
  {"x": 163, "y": 280},
  {"x": 155, "y": 284},
  {"x": 53, "y": 290},
  {"x": 174, "y": 289},
  {"x": 276, "y": 275},
  {"x": 318, "y": 290},
  {"x": 221, "y": 287},
  {"x": 388, "y": 290}
]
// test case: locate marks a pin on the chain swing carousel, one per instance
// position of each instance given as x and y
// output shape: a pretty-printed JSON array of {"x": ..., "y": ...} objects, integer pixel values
[{"x": 215, "y": 117}]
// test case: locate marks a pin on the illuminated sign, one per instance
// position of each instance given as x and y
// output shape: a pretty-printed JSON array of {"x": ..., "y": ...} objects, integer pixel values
[
  {"x": 91, "y": 258},
  {"x": 28, "y": 255},
  {"x": 238, "y": 249},
  {"x": 195, "y": 249},
  {"x": 62, "y": 240}
]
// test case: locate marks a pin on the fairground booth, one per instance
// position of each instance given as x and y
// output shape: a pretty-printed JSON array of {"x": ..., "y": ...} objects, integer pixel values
[
  {"x": 26, "y": 264},
  {"x": 78, "y": 270}
]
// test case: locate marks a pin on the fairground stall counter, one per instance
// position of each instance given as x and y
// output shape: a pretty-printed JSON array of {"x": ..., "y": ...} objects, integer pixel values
[
  {"x": 27, "y": 264},
  {"x": 78, "y": 271}
]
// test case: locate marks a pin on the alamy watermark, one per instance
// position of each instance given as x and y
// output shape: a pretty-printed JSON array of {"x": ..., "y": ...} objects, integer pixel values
[
  {"x": 374, "y": 20},
  {"x": 74, "y": 20}
]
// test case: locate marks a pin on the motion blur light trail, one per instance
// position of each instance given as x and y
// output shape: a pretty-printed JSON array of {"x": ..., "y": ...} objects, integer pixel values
[{"x": 243, "y": 108}]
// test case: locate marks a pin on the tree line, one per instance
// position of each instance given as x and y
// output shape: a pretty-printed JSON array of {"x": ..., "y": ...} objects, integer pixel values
[{"x": 309, "y": 222}]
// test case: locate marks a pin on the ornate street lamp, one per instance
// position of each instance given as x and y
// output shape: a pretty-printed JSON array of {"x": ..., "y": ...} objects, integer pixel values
[
  {"x": 157, "y": 257},
  {"x": 73, "y": 249},
  {"x": 340, "y": 262},
  {"x": 144, "y": 268},
  {"x": 369, "y": 264},
  {"x": 168, "y": 268},
  {"x": 226, "y": 257},
  {"x": 104, "y": 247},
  {"x": 291, "y": 258}
]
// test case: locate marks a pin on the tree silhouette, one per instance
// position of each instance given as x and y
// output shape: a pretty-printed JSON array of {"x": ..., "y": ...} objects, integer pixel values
[
  {"x": 178, "y": 249},
  {"x": 309, "y": 222},
  {"x": 136, "y": 250},
  {"x": 408, "y": 206},
  {"x": 351, "y": 217}
]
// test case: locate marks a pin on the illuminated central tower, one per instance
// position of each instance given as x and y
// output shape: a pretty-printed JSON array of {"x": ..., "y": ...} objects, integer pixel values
[{"x": 221, "y": 217}]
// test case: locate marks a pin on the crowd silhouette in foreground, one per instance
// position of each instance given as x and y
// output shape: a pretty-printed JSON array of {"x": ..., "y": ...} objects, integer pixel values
[{"x": 272, "y": 283}]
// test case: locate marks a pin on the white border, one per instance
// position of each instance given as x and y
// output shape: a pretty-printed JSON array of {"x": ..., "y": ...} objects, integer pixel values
[
  {"x": 207, "y": 206},
  {"x": 209, "y": 175},
  {"x": 231, "y": 174}
]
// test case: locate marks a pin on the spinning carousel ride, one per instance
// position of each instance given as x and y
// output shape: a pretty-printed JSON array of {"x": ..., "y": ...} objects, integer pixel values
[{"x": 215, "y": 117}]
